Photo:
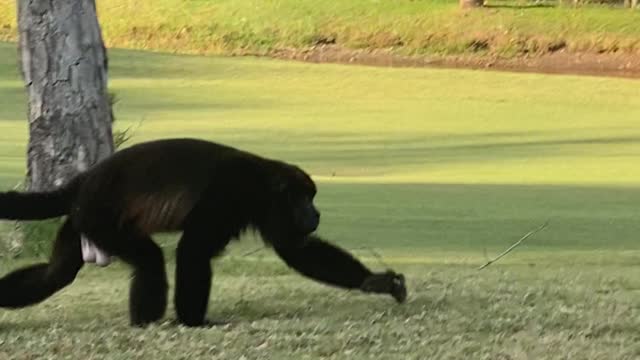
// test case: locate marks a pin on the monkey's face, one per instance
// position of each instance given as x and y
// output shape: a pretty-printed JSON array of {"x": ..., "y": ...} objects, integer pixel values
[
  {"x": 306, "y": 217},
  {"x": 295, "y": 208}
]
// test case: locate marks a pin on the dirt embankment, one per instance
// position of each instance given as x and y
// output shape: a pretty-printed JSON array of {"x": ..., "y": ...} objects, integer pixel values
[{"x": 606, "y": 64}]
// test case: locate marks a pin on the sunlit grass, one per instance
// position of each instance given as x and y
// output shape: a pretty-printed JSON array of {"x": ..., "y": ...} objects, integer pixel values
[
  {"x": 406, "y": 26},
  {"x": 453, "y": 312}
]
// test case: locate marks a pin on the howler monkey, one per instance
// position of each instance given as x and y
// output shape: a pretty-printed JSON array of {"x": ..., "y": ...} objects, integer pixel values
[{"x": 210, "y": 192}]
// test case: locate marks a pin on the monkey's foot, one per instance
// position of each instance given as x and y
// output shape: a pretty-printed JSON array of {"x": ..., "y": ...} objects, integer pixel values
[{"x": 388, "y": 282}]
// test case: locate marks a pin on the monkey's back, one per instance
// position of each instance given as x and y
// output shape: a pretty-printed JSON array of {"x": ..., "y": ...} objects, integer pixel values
[{"x": 156, "y": 184}]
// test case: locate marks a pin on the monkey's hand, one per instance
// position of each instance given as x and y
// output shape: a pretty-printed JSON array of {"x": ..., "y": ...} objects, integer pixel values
[{"x": 387, "y": 282}]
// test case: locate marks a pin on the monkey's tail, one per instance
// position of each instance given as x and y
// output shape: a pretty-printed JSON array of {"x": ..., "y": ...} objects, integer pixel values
[{"x": 37, "y": 205}]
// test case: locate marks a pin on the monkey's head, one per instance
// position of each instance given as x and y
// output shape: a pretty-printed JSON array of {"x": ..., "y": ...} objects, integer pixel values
[{"x": 293, "y": 212}]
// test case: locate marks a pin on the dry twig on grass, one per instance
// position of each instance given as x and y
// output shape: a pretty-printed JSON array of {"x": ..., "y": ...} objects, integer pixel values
[
  {"x": 516, "y": 244},
  {"x": 254, "y": 251}
]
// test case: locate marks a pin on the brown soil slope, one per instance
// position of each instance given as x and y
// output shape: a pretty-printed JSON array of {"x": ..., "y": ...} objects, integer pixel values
[{"x": 619, "y": 65}]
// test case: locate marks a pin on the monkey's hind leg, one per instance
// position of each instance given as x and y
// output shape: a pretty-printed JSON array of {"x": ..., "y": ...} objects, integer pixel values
[
  {"x": 149, "y": 286},
  {"x": 35, "y": 283}
]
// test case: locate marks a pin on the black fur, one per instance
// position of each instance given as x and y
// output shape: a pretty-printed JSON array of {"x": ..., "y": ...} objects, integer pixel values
[
  {"x": 15, "y": 205},
  {"x": 210, "y": 192},
  {"x": 35, "y": 283}
]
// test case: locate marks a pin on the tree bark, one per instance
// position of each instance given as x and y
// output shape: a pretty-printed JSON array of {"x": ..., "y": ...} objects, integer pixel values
[{"x": 64, "y": 66}]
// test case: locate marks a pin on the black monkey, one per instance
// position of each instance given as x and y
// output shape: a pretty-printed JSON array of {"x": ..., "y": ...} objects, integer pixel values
[{"x": 210, "y": 192}]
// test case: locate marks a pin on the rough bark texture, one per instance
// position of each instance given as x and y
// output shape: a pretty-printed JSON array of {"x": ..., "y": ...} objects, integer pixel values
[{"x": 64, "y": 66}]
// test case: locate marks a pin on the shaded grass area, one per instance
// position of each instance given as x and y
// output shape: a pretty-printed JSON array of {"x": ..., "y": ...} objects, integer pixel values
[
  {"x": 406, "y": 26},
  {"x": 432, "y": 170}
]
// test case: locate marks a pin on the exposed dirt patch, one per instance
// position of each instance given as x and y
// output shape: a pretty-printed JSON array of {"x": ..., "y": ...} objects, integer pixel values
[{"x": 555, "y": 62}]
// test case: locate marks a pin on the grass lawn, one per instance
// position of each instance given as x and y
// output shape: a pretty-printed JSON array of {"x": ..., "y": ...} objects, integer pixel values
[
  {"x": 433, "y": 169},
  {"x": 504, "y": 28}
]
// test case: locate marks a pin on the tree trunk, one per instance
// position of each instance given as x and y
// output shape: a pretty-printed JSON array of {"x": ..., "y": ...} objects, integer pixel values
[
  {"x": 64, "y": 66},
  {"x": 464, "y": 4}
]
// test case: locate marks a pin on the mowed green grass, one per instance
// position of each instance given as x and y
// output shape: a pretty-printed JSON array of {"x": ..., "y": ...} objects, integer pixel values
[
  {"x": 404, "y": 157},
  {"x": 432, "y": 27},
  {"x": 434, "y": 170}
]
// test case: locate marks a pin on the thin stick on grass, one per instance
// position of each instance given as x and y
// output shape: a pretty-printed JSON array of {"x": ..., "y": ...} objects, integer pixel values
[
  {"x": 515, "y": 245},
  {"x": 254, "y": 251}
]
